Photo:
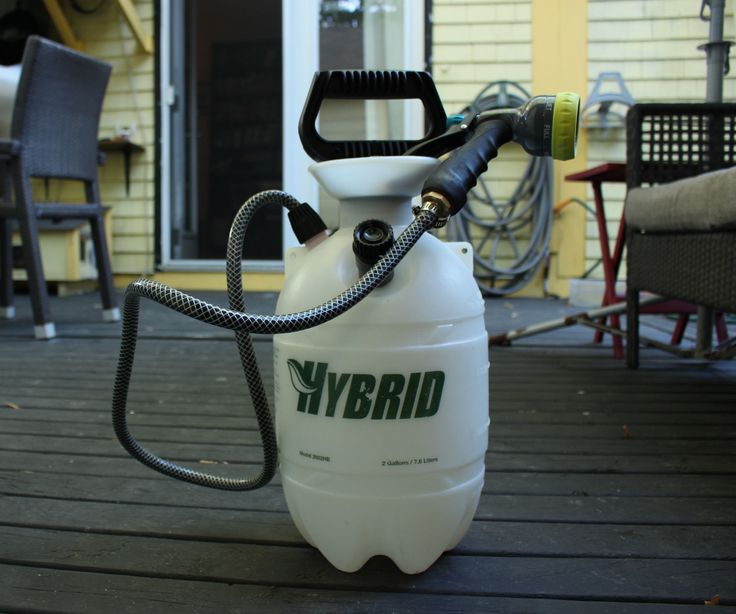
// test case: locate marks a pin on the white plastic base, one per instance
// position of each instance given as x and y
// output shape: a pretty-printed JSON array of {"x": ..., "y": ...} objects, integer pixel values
[
  {"x": 7, "y": 313},
  {"x": 45, "y": 331},
  {"x": 413, "y": 529},
  {"x": 111, "y": 315}
]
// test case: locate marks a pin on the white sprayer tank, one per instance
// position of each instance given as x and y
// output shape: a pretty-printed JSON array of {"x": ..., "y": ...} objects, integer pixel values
[{"x": 382, "y": 413}]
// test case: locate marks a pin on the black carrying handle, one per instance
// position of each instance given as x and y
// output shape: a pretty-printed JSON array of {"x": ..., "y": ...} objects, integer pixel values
[{"x": 368, "y": 85}]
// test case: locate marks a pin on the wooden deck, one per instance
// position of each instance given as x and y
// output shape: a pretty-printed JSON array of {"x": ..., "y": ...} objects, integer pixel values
[{"x": 607, "y": 490}]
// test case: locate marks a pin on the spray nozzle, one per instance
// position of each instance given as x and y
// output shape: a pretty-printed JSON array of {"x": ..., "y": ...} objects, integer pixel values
[
  {"x": 543, "y": 126},
  {"x": 548, "y": 125}
]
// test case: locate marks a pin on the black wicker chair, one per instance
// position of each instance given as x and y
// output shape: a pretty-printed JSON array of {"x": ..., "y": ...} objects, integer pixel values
[
  {"x": 53, "y": 135},
  {"x": 678, "y": 245}
]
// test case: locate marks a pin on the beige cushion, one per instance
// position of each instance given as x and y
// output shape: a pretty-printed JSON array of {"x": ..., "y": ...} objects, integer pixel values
[{"x": 702, "y": 203}]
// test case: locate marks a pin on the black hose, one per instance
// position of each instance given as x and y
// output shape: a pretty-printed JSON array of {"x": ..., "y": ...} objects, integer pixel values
[{"x": 242, "y": 323}]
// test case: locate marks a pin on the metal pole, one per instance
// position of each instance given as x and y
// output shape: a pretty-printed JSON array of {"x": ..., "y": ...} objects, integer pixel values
[
  {"x": 716, "y": 50},
  {"x": 578, "y": 318}
]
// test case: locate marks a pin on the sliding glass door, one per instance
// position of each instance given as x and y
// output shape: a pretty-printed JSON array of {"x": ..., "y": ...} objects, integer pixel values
[{"x": 234, "y": 78}]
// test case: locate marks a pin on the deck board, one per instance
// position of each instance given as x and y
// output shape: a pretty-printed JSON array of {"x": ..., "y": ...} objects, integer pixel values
[
  {"x": 55, "y": 590},
  {"x": 606, "y": 490}
]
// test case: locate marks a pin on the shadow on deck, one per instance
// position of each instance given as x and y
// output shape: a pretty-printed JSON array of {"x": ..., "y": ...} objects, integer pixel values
[{"x": 606, "y": 490}]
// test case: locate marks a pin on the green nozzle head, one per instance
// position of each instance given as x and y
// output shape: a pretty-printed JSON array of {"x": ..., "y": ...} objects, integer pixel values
[
  {"x": 565, "y": 123},
  {"x": 548, "y": 125}
]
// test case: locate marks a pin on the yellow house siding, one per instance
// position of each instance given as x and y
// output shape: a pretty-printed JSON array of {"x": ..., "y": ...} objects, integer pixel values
[
  {"x": 559, "y": 51},
  {"x": 653, "y": 44},
  {"x": 130, "y": 99},
  {"x": 476, "y": 42}
]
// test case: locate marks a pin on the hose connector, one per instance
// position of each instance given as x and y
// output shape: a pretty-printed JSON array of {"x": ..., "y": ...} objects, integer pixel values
[
  {"x": 436, "y": 203},
  {"x": 305, "y": 222}
]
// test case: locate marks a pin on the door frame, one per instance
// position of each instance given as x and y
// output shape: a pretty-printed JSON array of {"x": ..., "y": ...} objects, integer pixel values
[{"x": 300, "y": 60}]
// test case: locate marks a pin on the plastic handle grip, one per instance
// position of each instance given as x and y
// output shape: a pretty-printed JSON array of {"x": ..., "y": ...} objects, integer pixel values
[
  {"x": 457, "y": 175},
  {"x": 368, "y": 85}
]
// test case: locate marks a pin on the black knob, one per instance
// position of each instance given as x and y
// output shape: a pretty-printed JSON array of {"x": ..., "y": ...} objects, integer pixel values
[{"x": 371, "y": 240}]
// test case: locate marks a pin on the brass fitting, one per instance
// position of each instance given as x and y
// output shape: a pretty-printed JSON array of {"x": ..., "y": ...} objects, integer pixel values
[{"x": 436, "y": 203}]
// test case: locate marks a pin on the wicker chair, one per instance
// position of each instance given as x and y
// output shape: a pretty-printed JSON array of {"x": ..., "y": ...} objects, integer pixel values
[
  {"x": 681, "y": 237},
  {"x": 53, "y": 135}
]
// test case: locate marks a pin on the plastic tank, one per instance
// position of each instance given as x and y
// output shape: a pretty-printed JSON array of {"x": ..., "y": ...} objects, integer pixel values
[{"x": 382, "y": 414}]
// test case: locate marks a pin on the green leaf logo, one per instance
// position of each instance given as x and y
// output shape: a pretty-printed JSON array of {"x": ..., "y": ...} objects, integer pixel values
[{"x": 296, "y": 371}]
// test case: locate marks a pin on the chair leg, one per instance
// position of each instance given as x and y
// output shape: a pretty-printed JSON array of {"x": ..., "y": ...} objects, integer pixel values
[
  {"x": 43, "y": 325},
  {"x": 721, "y": 328},
  {"x": 111, "y": 312},
  {"x": 704, "y": 334},
  {"x": 679, "y": 332},
  {"x": 7, "y": 309},
  {"x": 632, "y": 328}
]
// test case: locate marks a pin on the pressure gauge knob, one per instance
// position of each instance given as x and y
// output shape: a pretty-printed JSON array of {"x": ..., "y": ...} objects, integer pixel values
[{"x": 371, "y": 240}]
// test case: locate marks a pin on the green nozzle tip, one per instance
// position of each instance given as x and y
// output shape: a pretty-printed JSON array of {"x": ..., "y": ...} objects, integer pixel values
[{"x": 565, "y": 125}]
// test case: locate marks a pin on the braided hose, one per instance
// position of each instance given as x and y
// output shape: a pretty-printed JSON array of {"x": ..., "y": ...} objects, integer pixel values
[{"x": 243, "y": 324}]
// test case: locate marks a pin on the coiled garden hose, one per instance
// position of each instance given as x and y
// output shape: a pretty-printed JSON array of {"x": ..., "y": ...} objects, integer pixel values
[{"x": 243, "y": 324}]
